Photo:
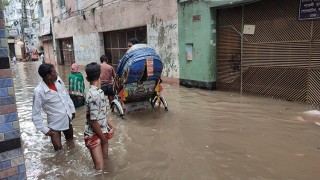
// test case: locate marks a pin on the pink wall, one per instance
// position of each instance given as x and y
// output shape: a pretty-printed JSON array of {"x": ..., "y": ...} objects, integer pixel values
[
  {"x": 113, "y": 16},
  {"x": 160, "y": 17},
  {"x": 70, "y": 4},
  {"x": 48, "y": 52}
]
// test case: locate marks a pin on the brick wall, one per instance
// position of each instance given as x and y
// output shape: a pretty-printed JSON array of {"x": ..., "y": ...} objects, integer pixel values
[{"x": 11, "y": 153}]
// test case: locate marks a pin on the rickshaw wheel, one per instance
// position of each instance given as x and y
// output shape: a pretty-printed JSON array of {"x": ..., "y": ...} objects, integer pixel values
[
  {"x": 158, "y": 100},
  {"x": 118, "y": 111}
]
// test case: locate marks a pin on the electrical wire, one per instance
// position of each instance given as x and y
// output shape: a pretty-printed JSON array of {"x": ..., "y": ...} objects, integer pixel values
[{"x": 83, "y": 10}]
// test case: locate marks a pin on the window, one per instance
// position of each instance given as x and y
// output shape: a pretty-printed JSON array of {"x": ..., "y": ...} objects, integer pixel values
[
  {"x": 62, "y": 3},
  {"x": 40, "y": 8},
  {"x": 115, "y": 42}
]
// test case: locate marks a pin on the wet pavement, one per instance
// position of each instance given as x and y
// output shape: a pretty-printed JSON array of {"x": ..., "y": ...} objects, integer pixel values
[{"x": 204, "y": 135}]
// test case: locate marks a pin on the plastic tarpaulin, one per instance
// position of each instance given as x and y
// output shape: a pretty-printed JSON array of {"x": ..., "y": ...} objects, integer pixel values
[{"x": 141, "y": 61}]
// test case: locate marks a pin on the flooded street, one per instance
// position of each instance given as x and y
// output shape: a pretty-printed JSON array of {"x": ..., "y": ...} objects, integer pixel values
[{"x": 204, "y": 135}]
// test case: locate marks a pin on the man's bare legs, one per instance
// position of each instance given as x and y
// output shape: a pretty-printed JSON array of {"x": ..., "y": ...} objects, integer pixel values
[
  {"x": 56, "y": 137},
  {"x": 104, "y": 149},
  {"x": 56, "y": 140},
  {"x": 69, "y": 133},
  {"x": 110, "y": 98}
]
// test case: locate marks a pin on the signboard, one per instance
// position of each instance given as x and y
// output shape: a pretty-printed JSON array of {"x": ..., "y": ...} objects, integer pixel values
[
  {"x": 45, "y": 27},
  {"x": 309, "y": 9},
  {"x": 189, "y": 50},
  {"x": 249, "y": 29}
]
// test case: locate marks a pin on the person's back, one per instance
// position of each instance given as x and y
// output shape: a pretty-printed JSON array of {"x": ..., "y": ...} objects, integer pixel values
[
  {"x": 76, "y": 86},
  {"x": 106, "y": 77},
  {"x": 107, "y": 73}
]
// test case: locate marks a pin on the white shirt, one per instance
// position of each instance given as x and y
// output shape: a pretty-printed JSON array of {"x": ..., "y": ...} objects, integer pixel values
[{"x": 57, "y": 105}]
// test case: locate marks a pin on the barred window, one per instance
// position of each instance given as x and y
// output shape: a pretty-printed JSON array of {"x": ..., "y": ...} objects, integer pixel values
[{"x": 116, "y": 42}]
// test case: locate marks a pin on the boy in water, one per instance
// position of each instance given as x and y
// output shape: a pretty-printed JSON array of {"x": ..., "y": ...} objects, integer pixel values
[{"x": 98, "y": 128}]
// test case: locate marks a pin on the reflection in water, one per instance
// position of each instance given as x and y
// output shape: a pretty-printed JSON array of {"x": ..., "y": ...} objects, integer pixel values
[{"x": 204, "y": 135}]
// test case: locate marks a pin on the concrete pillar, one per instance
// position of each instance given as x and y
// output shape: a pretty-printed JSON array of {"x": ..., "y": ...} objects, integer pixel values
[{"x": 11, "y": 153}]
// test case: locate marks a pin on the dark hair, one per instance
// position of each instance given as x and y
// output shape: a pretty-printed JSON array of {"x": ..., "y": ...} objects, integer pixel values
[
  {"x": 45, "y": 69},
  {"x": 133, "y": 41},
  {"x": 106, "y": 58},
  {"x": 93, "y": 71}
]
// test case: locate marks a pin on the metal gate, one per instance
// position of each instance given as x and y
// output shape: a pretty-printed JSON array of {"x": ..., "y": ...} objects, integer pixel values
[
  {"x": 281, "y": 59},
  {"x": 116, "y": 45},
  {"x": 67, "y": 51}
]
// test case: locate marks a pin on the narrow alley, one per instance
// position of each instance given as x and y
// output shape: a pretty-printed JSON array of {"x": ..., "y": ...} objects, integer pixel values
[{"x": 204, "y": 135}]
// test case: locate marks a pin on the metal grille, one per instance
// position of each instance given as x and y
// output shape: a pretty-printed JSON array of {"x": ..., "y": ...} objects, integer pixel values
[
  {"x": 228, "y": 68},
  {"x": 67, "y": 51},
  {"x": 281, "y": 59},
  {"x": 115, "y": 42}
]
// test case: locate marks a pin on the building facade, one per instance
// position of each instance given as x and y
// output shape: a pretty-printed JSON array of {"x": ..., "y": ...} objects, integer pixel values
[
  {"x": 45, "y": 33},
  {"x": 198, "y": 41},
  {"x": 22, "y": 24},
  {"x": 85, "y": 30},
  {"x": 266, "y": 47}
]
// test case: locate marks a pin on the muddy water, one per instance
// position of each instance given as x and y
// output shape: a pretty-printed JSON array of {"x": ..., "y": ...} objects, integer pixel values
[{"x": 204, "y": 135}]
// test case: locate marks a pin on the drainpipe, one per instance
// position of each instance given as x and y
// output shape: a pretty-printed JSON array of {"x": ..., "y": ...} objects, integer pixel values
[
  {"x": 24, "y": 24},
  {"x": 53, "y": 36},
  {"x": 241, "y": 34}
]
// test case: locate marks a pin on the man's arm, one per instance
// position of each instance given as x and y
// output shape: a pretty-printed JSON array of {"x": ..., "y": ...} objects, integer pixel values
[
  {"x": 96, "y": 128},
  {"x": 92, "y": 117},
  {"x": 36, "y": 113}
]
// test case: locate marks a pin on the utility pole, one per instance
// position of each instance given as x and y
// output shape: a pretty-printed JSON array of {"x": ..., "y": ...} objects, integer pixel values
[
  {"x": 53, "y": 36},
  {"x": 24, "y": 24}
]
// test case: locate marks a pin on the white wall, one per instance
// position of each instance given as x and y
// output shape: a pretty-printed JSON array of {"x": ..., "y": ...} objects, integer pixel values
[
  {"x": 17, "y": 50},
  {"x": 88, "y": 48},
  {"x": 163, "y": 36}
]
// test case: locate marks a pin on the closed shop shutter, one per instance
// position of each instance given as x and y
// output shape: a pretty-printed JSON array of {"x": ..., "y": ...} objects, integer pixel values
[{"x": 281, "y": 59}]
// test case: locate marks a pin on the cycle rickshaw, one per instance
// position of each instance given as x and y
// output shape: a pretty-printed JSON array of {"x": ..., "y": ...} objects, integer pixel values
[{"x": 138, "y": 81}]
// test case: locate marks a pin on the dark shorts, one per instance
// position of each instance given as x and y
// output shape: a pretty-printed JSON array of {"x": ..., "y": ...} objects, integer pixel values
[
  {"x": 107, "y": 89},
  {"x": 77, "y": 101}
]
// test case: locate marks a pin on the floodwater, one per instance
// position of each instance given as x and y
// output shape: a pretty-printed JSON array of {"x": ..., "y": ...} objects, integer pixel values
[{"x": 204, "y": 135}]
